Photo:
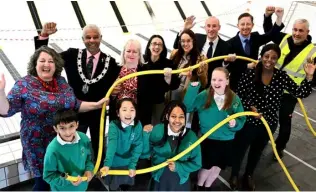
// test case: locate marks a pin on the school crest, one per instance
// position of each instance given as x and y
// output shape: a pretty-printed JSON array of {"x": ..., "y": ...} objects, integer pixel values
[{"x": 82, "y": 151}]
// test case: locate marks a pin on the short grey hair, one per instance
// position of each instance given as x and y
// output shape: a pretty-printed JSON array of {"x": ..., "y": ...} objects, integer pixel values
[
  {"x": 304, "y": 21},
  {"x": 90, "y": 26},
  {"x": 139, "y": 49}
]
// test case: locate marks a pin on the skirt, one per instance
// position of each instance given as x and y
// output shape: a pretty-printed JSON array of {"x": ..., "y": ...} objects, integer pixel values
[
  {"x": 216, "y": 153},
  {"x": 142, "y": 180},
  {"x": 169, "y": 181},
  {"x": 114, "y": 181}
]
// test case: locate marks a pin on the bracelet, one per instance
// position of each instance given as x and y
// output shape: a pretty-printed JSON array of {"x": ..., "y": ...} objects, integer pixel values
[{"x": 309, "y": 77}]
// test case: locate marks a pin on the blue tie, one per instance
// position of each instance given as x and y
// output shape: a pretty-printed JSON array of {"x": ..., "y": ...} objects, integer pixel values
[{"x": 247, "y": 46}]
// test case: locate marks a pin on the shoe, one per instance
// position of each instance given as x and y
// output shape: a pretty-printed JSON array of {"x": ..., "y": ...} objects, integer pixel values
[
  {"x": 248, "y": 183},
  {"x": 281, "y": 155},
  {"x": 233, "y": 182}
]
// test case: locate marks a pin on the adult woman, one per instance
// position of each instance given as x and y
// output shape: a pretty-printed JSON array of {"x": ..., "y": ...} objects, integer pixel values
[
  {"x": 260, "y": 90},
  {"x": 38, "y": 96},
  {"x": 188, "y": 55},
  {"x": 156, "y": 58}
]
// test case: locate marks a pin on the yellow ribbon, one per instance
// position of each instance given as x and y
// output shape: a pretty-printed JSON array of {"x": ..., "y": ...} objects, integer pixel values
[{"x": 151, "y": 169}]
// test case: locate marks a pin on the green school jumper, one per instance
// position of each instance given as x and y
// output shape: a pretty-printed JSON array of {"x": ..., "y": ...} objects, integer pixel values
[{"x": 73, "y": 159}]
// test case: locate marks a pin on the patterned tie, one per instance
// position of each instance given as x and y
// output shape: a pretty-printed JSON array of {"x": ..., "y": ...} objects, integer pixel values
[
  {"x": 247, "y": 46},
  {"x": 210, "y": 51},
  {"x": 90, "y": 66}
]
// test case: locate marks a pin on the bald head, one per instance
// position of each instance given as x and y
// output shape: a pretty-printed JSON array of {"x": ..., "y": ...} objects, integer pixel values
[{"x": 212, "y": 26}]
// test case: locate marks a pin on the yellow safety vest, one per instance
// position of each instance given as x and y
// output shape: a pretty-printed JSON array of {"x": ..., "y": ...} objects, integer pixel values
[{"x": 295, "y": 69}]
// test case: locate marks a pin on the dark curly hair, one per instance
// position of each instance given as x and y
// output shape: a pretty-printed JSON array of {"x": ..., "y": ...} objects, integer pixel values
[{"x": 59, "y": 62}]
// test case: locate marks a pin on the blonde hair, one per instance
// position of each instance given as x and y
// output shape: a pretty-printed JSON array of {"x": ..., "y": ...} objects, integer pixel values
[{"x": 139, "y": 49}]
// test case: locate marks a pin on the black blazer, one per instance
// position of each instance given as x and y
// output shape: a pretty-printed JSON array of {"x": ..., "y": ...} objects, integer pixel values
[
  {"x": 238, "y": 67},
  {"x": 222, "y": 48},
  {"x": 96, "y": 90}
]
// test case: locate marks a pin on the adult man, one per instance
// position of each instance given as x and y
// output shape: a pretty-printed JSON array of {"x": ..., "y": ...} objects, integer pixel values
[
  {"x": 247, "y": 43},
  {"x": 211, "y": 45},
  {"x": 296, "y": 50},
  {"x": 90, "y": 73}
]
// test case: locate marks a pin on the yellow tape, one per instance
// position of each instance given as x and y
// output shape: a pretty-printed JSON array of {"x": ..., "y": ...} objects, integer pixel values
[{"x": 141, "y": 171}]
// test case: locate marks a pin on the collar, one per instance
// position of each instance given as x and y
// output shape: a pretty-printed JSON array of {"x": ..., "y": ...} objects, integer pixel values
[
  {"x": 62, "y": 142},
  {"x": 171, "y": 133},
  {"x": 215, "y": 42},
  {"x": 218, "y": 96},
  {"x": 242, "y": 38},
  {"x": 96, "y": 56},
  {"x": 126, "y": 125}
]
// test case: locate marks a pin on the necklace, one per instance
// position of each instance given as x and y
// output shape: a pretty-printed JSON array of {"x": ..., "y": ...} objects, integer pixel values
[
  {"x": 87, "y": 81},
  {"x": 50, "y": 86}
]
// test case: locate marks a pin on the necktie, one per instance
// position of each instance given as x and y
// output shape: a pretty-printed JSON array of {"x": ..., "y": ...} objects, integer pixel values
[
  {"x": 90, "y": 66},
  {"x": 210, "y": 51},
  {"x": 247, "y": 46}
]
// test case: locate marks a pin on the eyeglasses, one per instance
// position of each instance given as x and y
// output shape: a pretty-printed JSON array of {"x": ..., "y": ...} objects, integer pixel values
[{"x": 156, "y": 44}]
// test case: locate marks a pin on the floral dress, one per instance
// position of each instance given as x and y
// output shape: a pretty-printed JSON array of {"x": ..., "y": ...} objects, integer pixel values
[
  {"x": 38, "y": 108},
  {"x": 129, "y": 87}
]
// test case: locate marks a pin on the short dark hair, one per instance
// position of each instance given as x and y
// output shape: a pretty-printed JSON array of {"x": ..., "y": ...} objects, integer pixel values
[
  {"x": 119, "y": 105},
  {"x": 65, "y": 116},
  {"x": 245, "y": 15},
  {"x": 59, "y": 62}
]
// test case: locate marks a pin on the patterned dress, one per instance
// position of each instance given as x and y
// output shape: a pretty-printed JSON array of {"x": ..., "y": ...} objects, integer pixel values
[
  {"x": 129, "y": 87},
  {"x": 37, "y": 108}
]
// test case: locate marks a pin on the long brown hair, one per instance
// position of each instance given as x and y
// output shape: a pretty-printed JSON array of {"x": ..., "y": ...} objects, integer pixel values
[{"x": 229, "y": 94}]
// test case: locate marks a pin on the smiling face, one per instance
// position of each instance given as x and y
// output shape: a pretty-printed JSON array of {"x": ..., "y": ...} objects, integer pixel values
[
  {"x": 212, "y": 27},
  {"x": 186, "y": 43},
  {"x": 131, "y": 53},
  {"x": 219, "y": 81},
  {"x": 156, "y": 46},
  {"x": 269, "y": 59},
  {"x": 92, "y": 40},
  {"x": 299, "y": 32},
  {"x": 45, "y": 66},
  {"x": 176, "y": 119},
  {"x": 245, "y": 26},
  {"x": 127, "y": 112},
  {"x": 67, "y": 131}
]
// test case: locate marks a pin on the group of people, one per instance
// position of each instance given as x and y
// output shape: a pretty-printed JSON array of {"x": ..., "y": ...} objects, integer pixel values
[{"x": 155, "y": 117}]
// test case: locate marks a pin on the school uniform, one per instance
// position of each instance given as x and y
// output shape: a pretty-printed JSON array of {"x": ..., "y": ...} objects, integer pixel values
[
  {"x": 163, "y": 179},
  {"x": 124, "y": 149},
  {"x": 217, "y": 148}
]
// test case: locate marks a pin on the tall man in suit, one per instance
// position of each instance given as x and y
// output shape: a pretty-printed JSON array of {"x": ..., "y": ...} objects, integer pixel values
[
  {"x": 90, "y": 73},
  {"x": 247, "y": 43},
  {"x": 209, "y": 44}
]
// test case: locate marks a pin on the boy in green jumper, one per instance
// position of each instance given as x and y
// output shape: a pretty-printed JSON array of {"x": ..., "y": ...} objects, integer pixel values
[{"x": 69, "y": 153}]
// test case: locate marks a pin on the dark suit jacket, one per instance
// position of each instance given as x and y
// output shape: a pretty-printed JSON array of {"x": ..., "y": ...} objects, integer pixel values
[
  {"x": 222, "y": 48},
  {"x": 238, "y": 67},
  {"x": 96, "y": 90}
]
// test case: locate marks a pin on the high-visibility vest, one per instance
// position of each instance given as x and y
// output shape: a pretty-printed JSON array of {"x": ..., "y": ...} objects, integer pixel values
[{"x": 295, "y": 69}]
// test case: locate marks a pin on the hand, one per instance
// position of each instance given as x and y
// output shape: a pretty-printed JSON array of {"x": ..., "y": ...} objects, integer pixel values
[
  {"x": 309, "y": 68},
  {"x": 253, "y": 109},
  {"x": 2, "y": 82},
  {"x": 187, "y": 73},
  {"x": 251, "y": 65},
  {"x": 89, "y": 175},
  {"x": 230, "y": 58},
  {"x": 117, "y": 88},
  {"x": 148, "y": 128},
  {"x": 203, "y": 67},
  {"x": 189, "y": 22},
  {"x": 132, "y": 173},
  {"x": 232, "y": 123},
  {"x": 194, "y": 84},
  {"x": 172, "y": 166},
  {"x": 269, "y": 11},
  {"x": 167, "y": 73},
  {"x": 279, "y": 11},
  {"x": 100, "y": 103},
  {"x": 76, "y": 183},
  {"x": 104, "y": 170},
  {"x": 48, "y": 29}
]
